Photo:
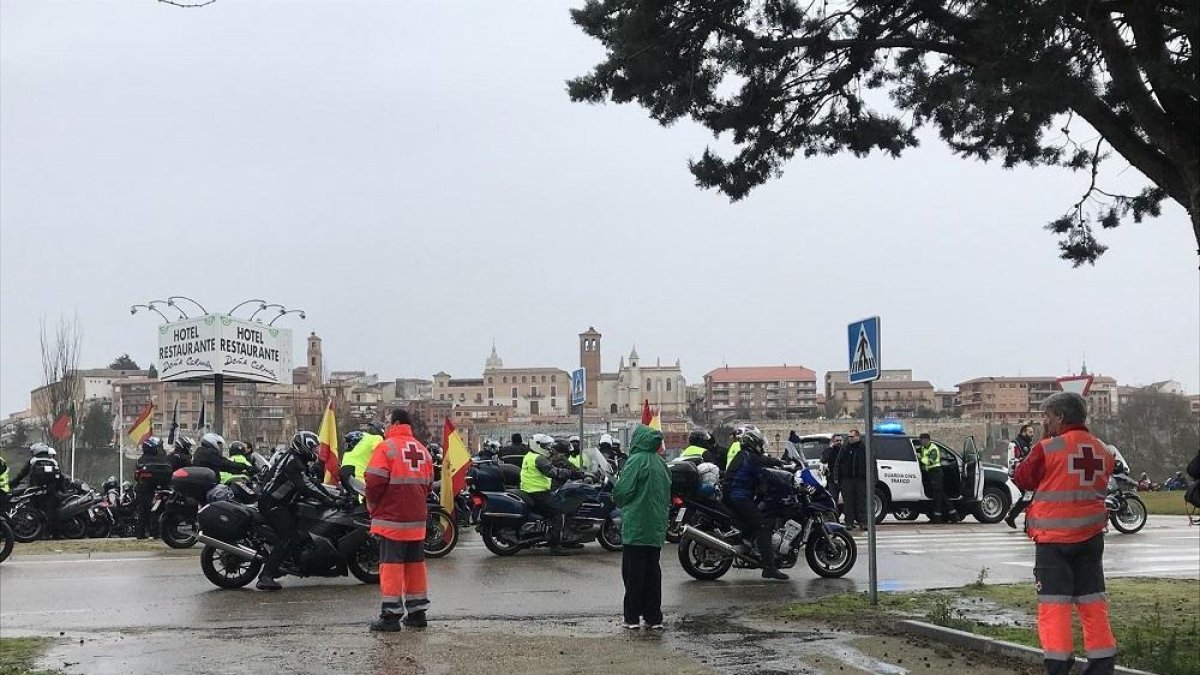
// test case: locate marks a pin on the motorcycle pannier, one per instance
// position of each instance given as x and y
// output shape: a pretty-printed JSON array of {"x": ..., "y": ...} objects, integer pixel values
[
  {"x": 684, "y": 478},
  {"x": 227, "y": 521},
  {"x": 488, "y": 477},
  {"x": 194, "y": 481}
]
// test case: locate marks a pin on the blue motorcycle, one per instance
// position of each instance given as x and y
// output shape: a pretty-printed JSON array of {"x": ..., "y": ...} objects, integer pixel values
[{"x": 509, "y": 524}]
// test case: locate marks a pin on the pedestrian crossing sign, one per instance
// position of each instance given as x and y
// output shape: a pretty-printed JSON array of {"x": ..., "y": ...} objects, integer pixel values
[
  {"x": 863, "y": 340},
  {"x": 578, "y": 388}
]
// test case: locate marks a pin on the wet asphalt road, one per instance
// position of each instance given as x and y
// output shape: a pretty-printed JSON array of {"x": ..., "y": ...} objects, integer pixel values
[{"x": 126, "y": 591}]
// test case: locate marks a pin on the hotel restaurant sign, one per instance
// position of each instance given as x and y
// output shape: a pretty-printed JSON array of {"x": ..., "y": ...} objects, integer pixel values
[{"x": 215, "y": 344}]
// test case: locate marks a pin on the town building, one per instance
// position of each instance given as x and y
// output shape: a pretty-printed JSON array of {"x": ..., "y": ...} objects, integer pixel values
[
  {"x": 945, "y": 402},
  {"x": 1005, "y": 399},
  {"x": 623, "y": 392},
  {"x": 537, "y": 391},
  {"x": 753, "y": 392},
  {"x": 895, "y": 393},
  {"x": 84, "y": 387}
]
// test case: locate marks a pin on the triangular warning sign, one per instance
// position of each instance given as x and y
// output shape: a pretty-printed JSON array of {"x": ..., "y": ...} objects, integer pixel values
[{"x": 864, "y": 356}]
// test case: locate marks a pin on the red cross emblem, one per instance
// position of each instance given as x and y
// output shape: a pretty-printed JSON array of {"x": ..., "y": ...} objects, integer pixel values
[
  {"x": 1086, "y": 464},
  {"x": 415, "y": 457}
]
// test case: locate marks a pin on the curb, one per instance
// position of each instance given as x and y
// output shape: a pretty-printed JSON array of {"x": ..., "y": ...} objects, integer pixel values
[{"x": 989, "y": 645}]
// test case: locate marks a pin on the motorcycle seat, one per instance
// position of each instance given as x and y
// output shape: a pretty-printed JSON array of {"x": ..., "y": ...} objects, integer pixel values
[{"x": 523, "y": 496}]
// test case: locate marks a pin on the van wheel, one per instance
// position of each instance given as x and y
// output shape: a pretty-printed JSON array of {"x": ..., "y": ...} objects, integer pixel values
[
  {"x": 994, "y": 505},
  {"x": 906, "y": 514},
  {"x": 882, "y": 502}
]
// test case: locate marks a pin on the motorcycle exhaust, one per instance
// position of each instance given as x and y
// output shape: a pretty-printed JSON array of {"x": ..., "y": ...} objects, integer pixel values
[
  {"x": 689, "y": 532},
  {"x": 240, "y": 551}
]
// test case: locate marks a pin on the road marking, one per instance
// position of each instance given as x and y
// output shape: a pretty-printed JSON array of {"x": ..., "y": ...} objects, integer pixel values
[{"x": 49, "y": 611}]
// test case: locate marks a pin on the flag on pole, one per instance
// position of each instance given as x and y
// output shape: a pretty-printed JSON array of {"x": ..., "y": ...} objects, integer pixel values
[
  {"x": 201, "y": 423},
  {"x": 143, "y": 425},
  {"x": 456, "y": 461},
  {"x": 327, "y": 452},
  {"x": 174, "y": 424},
  {"x": 65, "y": 424},
  {"x": 646, "y": 414}
]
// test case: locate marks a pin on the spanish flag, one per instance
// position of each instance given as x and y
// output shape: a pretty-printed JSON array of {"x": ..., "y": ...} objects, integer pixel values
[
  {"x": 647, "y": 416},
  {"x": 456, "y": 461},
  {"x": 327, "y": 452},
  {"x": 143, "y": 425}
]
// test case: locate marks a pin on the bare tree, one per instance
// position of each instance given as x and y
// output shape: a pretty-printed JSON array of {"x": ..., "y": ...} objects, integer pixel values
[
  {"x": 251, "y": 406},
  {"x": 60, "y": 360}
]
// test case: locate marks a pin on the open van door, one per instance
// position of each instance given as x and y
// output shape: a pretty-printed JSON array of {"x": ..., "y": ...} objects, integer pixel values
[{"x": 972, "y": 469}]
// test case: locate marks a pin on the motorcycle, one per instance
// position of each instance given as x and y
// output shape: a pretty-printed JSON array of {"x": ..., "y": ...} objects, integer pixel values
[
  {"x": 336, "y": 540},
  {"x": 441, "y": 530},
  {"x": 795, "y": 506},
  {"x": 509, "y": 524},
  {"x": 177, "y": 506},
  {"x": 116, "y": 514},
  {"x": 7, "y": 539},
  {"x": 75, "y": 514},
  {"x": 1126, "y": 510}
]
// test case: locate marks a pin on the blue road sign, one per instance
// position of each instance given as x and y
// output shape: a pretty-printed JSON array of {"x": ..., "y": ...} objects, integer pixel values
[
  {"x": 578, "y": 387},
  {"x": 864, "y": 350}
]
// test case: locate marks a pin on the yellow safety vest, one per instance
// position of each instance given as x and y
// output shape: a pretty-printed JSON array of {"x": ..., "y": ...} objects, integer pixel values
[
  {"x": 692, "y": 451},
  {"x": 533, "y": 480},
  {"x": 359, "y": 456},
  {"x": 733, "y": 452},
  {"x": 240, "y": 459}
]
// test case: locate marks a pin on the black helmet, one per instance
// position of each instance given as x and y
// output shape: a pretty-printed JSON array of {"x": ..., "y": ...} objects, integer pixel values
[
  {"x": 561, "y": 446},
  {"x": 238, "y": 448},
  {"x": 752, "y": 440},
  {"x": 305, "y": 444},
  {"x": 185, "y": 444},
  {"x": 152, "y": 445},
  {"x": 700, "y": 438},
  {"x": 352, "y": 439},
  {"x": 375, "y": 429}
]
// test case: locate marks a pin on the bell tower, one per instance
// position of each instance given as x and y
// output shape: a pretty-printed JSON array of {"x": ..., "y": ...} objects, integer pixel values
[
  {"x": 589, "y": 360},
  {"x": 316, "y": 378}
]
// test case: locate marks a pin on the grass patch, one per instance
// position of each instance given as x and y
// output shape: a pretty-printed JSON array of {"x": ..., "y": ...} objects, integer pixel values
[
  {"x": 57, "y": 546},
  {"x": 1156, "y": 621},
  {"x": 1165, "y": 503},
  {"x": 18, "y": 654}
]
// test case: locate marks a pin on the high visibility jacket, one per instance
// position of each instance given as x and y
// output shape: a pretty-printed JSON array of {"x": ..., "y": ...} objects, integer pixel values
[
  {"x": 532, "y": 479},
  {"x": 931, "y": 457},
  {"x": 3, "y": 476},
  {"x": 399, "y": 478},
  {"x": 692, "y": 451},
  {"x": 240, "y": 459},
  {"x": 733, "y": 452},
  {"x": 359, "y": 456},
  {"x": 1069, "y": 475},
  {"x": 576, "y": 461}
]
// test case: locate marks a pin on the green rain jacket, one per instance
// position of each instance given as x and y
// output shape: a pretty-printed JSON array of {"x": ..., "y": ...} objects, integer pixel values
[{"x": 643, "y": 491}]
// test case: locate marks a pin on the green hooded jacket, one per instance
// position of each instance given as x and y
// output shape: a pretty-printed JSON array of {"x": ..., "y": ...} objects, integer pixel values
[{"x": 643, "y": 491}]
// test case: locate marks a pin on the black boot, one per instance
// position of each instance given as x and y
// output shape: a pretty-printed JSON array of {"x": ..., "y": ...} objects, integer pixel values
[
  {"x": 774, "y": 574},
  {"x": 386, "y": 623},
  {"x": 416, "y": 620},
  {"x": 266, "y": 582}
]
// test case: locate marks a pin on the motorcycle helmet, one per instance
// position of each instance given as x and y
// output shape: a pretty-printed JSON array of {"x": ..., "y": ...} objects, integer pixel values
[
  {"x": 211, "y": 440},
  {"x": 752, "y": 440},
  {"x": 606, "y": 439},
  {"x": 184, "y": 445},
  {"x": 152, "y": 446},
  {"x": 351, "y": 439},
  {"x": 542, "y": 444},
  {"x": 42, "y": 450},
  {"x": 435, "y": 451},
  {"x": 561, "y": 447},
  {"x": 238, "y": 448},
  {"x": 575, "y": 443},
  {"x": 700, "y": 438},
  {"x": 491, "y": 445},
  {"x": 305, "y": 444}
]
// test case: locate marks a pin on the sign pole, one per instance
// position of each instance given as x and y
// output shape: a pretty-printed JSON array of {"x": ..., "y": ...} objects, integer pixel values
[
  {"x": 218, "y": 403},
  {"x": 121, "y": 440},
  {"x": 870, "y": 489}
]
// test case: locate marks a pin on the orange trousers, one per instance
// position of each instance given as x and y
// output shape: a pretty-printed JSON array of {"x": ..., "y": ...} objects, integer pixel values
[
  {"x": 1071, "y": 576},
  {"x": 402, "y": 577}
]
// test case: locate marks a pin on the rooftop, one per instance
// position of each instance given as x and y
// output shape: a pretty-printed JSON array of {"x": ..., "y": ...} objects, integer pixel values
[{"x": 760, "y": 374}]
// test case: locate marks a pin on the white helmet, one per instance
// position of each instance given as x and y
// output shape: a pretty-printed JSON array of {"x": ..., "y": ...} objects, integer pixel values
[
  {"x": 541, "y": 444},
  {"x": 606, "y": 439},
  {"x": 213, "y": 441},
  {"x": 574, "y": 439},
  {"x": 709, "y": 473}
]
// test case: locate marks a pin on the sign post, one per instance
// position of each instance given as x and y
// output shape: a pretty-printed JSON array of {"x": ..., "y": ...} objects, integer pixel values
[
  {"x": 863, "y": 342},
  {"x": 579, "y": 396}
]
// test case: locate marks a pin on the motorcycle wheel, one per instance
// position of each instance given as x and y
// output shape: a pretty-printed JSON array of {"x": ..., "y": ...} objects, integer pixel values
[
  {"x": 490, "y": 533},
  {"x": 674, "y": 533},
  {"x": 99, "y": 528},
  {"x": 441, "y": 533},
  {"x": 73, "y": 528},
  {"x": 697, "y": 560},
  {"x": 28, "y": 524},
  {"x": 226, "y": 569},
  {"x": 365, "y": 563},
  {"x": 610, "y": 535},
  {"x": 831, "y": 559},
  {"x": 7, "y": 540},
  {"x": 177, "y": 533},
  {"x": 906, "y": 514},
  {"x": 1132, "y": 518}
]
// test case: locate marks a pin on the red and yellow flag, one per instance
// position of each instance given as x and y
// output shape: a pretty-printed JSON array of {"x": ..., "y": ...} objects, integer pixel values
[
  {"x": 327, "y": 452},
  {"x": 456, "y": 461},
  {"x": 143, "y": 425}
]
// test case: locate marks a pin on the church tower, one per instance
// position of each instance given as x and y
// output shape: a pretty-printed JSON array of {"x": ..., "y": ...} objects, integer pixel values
[
  {"x": 589, "y": 360},
  {"x": 494, "y": 362},
  {"x": 316, "y": 378}
]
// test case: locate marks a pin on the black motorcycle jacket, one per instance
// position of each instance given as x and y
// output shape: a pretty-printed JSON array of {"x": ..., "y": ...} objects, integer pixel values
[
  {"x": 179, "y": 460},
  {"x": 211, "y": 458},
  {"x": 36, "y": 471},
  {"x": 288, "y": 478}
]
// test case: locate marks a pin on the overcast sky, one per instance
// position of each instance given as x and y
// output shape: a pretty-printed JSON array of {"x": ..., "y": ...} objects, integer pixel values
[{"x": 414, "y": 176}]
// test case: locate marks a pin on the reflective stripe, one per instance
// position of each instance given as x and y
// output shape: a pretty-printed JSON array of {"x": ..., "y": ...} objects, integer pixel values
[
  {"x": 1055, "y": 599},
  {"x": 378, "y": 471},
  {"x": 413, "y": 597},
  {"x": 1104, "y": 653},
  {"x": 1068, "y": 496},
  {"x": 1066, "y": 523},
  {"x": 391, "y": 599},
  {"x": 380, "y": 522},
  {"x": 1056, "y": 444},
  {"x": 1057, "y": 656},
  {"x": 1090, "y": 598},
  {"x": 408, "y": 480}
]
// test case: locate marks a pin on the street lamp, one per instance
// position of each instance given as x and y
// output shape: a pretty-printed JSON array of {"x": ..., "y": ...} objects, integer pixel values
[
  {"x": 171, "y": 301},
  {"x": 244, "y": 302},
  {"x": 182, "y": 314},
  {"x": 134, "y": 308},
  {"x": 265, "y": 306},
  {"x": 283, "y": 312}
]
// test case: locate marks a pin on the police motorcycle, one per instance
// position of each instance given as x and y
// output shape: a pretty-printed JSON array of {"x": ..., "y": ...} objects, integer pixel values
[
  {"x": 77, "y": 512},
  {"x": 797, "y": 507},
  {"x": 1126, "y": 510},
  {"x": 336, "y": 539},
  {"x": 508, "y": 522}
]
